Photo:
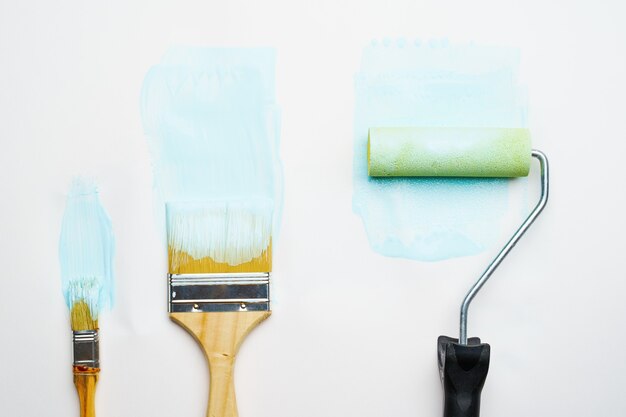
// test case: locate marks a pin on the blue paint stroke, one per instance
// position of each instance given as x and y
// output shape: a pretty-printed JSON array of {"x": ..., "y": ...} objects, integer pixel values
[
  {"x": 401, "y": 84},
  {"x": 212, "y": 123},
  {"x": 86, "y": 249}
]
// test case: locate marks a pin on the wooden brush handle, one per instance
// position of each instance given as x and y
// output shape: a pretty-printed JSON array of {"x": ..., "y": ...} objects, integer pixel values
[
  {"x": 222, "y": 402},
  {"x": 85, "y": 380},
  {"x": 220, "y": 335}
]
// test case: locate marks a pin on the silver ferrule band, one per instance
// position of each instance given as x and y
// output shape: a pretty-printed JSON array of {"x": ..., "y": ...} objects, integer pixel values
[
  {"x": 86, "y": 348},
  {"x": 193, "y": 293}
]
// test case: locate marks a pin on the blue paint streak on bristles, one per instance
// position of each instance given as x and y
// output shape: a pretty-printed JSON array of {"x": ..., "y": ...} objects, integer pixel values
[
  {"x": 212, "y": 124},
  {"x": 402, "y": 84},
  {"x": 86, "y": 249}
]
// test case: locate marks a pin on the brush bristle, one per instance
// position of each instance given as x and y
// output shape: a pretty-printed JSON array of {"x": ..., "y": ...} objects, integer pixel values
[
  {"x": 86, "y": 255},
  {"x": 81, "y": 317},
  {"x": 220, "y": 236}
]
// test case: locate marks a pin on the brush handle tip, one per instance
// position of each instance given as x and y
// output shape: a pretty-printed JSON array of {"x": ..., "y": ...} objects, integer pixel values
[{"x": 85, "y": 380}]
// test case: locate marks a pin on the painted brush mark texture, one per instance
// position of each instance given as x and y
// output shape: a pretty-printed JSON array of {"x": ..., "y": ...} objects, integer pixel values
[
  {"x": 212, "y": 123},
  {"x": 434, "y": 85},
  {"x": 86, "y": 250}
]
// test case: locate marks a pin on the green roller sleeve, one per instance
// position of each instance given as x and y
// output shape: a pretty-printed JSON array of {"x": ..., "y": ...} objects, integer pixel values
[{"x": 448, "y": 152}]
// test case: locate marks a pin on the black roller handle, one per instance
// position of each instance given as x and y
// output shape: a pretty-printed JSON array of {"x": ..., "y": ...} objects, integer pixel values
[{"x": 463, "y": 370}]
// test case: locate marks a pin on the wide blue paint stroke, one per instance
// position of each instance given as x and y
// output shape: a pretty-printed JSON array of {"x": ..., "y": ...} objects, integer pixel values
[
  {"x": 86, "y": 249},
  {"x": 212, "y": 123},
  {"x": 402, "y": 84}
]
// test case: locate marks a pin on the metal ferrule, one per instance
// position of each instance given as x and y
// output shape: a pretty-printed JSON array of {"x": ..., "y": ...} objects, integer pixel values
[
  {"x": 86, "y": 348},
  {"x": 195, "y": 293}
]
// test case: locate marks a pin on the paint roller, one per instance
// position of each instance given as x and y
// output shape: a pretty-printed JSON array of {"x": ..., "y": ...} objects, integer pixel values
[{"x": 460, "y": 152}]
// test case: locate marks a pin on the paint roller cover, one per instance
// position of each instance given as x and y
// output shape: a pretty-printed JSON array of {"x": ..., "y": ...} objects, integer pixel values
[{"x": 448, "y": 152}]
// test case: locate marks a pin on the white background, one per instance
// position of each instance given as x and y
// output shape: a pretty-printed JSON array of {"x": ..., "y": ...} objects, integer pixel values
[{"x": 353, "y": 333}]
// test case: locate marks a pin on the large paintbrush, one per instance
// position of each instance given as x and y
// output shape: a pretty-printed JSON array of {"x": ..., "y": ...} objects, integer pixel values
[
  {"x": 212, "y": 124},
  {"x": 86, "y": 255},
  {"x": 220, "y": 259}
]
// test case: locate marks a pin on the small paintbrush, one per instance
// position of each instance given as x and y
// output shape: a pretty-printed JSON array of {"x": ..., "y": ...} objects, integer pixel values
[
  {"x": 86, "y": 251},
  {"x": 220, "y": 258}
]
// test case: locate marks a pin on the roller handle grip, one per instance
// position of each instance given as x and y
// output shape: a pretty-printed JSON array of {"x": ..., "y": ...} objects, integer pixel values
[{"x": 464, "y": 372}]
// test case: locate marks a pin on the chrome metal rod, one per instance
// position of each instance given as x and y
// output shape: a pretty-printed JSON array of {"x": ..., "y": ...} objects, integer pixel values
[{"x": 543, "y": 162}]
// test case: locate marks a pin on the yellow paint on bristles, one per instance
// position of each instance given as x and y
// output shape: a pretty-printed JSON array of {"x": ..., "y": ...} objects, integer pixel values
[
  {"x": 226, "y": 236},
  {"x": 181, "y": 262},
  {"x": 81, "y": 318}
]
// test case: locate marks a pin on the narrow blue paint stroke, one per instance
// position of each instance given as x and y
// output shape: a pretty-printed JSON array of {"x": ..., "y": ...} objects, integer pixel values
[
  {"x": 212, "y": 123},
  {"x": 86, "y": 249},
  {"x": 400, "y": 84}
]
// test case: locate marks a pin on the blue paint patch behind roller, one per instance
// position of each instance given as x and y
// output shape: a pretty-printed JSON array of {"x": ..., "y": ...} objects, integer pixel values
[{"x": 432, "y": 219}]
